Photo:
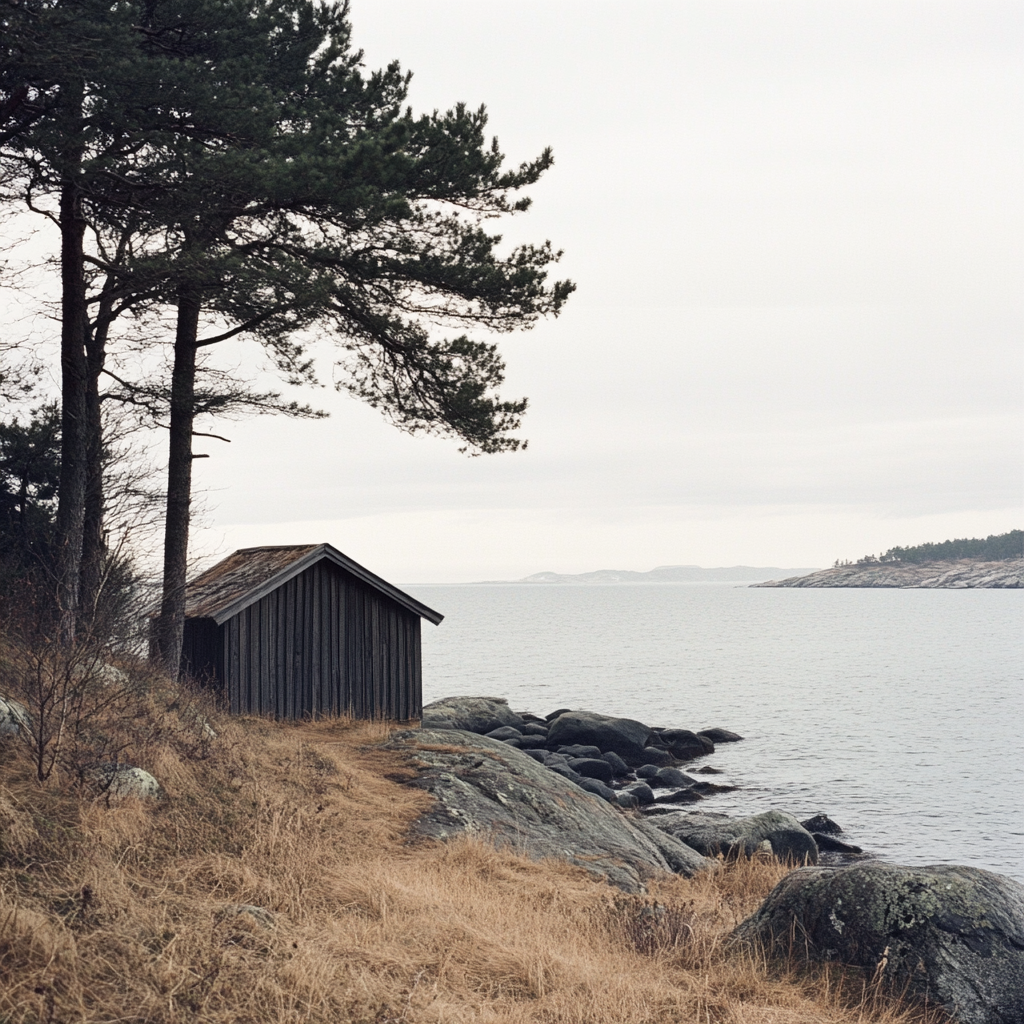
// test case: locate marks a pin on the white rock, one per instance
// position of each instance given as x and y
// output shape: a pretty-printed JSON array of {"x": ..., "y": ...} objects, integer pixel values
[
  {"x": 124, "y": 780},
  {"x": 14, "y": 717}
]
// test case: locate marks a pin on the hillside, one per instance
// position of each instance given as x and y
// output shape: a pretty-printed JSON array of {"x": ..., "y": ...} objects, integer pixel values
[
  {"x": 965, "y": 574},
  {"x": 274, "y": 881}
]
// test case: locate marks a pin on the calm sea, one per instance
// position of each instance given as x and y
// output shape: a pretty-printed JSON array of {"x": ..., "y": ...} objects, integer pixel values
[{"x": 900, "y": 713}]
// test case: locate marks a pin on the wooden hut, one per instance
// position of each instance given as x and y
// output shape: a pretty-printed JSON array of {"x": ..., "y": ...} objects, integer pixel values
[{"x": 304, "y": 631}]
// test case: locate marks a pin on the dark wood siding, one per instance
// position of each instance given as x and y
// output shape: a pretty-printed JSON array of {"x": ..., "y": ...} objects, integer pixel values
[
  {"x": 322, "y": 643},
  {"x": 201, "y": 651}
]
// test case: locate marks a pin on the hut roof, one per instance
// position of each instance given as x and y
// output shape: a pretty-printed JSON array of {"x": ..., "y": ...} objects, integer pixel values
[{"x": 249, "y": 574}]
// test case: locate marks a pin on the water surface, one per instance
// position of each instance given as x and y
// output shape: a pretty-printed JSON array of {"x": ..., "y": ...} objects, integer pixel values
[{"x": 897, "y": 712}]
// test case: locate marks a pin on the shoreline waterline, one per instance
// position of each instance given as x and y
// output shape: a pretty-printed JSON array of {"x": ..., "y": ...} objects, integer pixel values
[{"x": 893, "y": 711}]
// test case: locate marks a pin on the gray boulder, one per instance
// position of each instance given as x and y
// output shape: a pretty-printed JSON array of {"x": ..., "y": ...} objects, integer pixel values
[
  {"x": 822, "y": 823},
  {"x": 718, "y": 735},
  {"x": 655, "y": 756},
  {"x": 505, "y": 732},
  {"x": 673, "y": 777},
  {"x": 598, "y": 788},
  {"x": 711, "y": 834},
  {"x": 643, "y": 793},
  {"x": 14, "y": 717},
  {"x": 474, "y": 714},
  {"x": 491, "y": 790},
  {"x": 619, "y": 767},
  {"x": 578, "y": 750},
  {"x": 592, "y": 768},
  {"x": 953, "y": 934},
  {"x": 647, "y": 771},
  {"x": 624, "y": 736},
  {"x": 685, "y": 744},
  {"x": 124, "y": 780}
]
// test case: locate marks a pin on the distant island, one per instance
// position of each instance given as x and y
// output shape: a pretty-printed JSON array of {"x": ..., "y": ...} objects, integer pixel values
[
  {"x": 663, "y": 574},
  {"x": 991, "y": 563}
]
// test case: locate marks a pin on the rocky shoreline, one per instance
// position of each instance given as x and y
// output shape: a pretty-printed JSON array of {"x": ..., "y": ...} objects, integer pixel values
[
  {"x": 606, "y": 794},
  {"x": 534, "y": 781},
  {"x": 966, "y": 574}
]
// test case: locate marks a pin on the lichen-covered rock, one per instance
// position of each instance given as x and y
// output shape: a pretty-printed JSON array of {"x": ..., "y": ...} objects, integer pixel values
[
  {"x": 14, "y": 717},
  {"x": 952, "y": 934},
  {"x": 124, "y": 780},
  {"x": 485, "y": 788},
  {"x": 712, "y": 834},
  {"x": 624, "y": 736},
  {"x": 473, "y": 714}
]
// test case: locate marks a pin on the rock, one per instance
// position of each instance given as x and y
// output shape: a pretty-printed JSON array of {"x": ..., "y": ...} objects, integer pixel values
[
  {"x": 712, "y": 834},
  {"x": 706, "y": 769},
  {"x": 954, "y": 934},
  {"x": 535, "y": 729},
  {"x": 717, "y": 735},
  {"x": 266, "y": 919},
  {"x": 685, "y": 744},
  {"x": 680, "y": 796},
  {"x": 619, "y": 767},
  {"x": 474, "y": 714},
  {"x": 822, "y": 823},
  {"x": 647, "y": 771},
  {"x": 956, "y": 575},
  {"x": 833, "y": 845},
  {"x": 707, "y": 788},
  {"x": 673, "y": 777},
  {"x": 627, "y": 801},
  {"x": 655, "y": 756},
  {"x": 592, "y": 768},
  {"x": 532, "y": 743},
  {"x": 488, "y": 789},
  {"x": 513, "y": 741},
  {"x": 643, "y": 793},
  {"x": 578, "y": 750},
  {"x": 566, "y": 772},
  {"x": 14, "y": 717},
  {"x": 624, "y": 736},
  {"x": 505, "y": 732},
  {"x": 537, "y": 755},
  {"x": 124, "y": 780},
  {"x": 554, "y": 714},
  {"x": 598, "y": 788}
]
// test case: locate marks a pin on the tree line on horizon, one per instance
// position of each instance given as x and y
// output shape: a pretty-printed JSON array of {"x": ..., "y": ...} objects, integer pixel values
[
  {"x": 994, "y": 548},
  {"x": 216, "y": 170}
]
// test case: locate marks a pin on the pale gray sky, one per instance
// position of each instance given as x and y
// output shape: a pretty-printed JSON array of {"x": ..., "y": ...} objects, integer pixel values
[{"x": 797, "y": 232}]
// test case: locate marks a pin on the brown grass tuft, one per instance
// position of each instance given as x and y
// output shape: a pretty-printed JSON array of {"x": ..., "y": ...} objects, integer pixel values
[{"x": 135, "y": 912}]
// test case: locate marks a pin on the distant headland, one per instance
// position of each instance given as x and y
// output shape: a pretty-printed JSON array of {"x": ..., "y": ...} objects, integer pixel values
[
  {"x": 991, "y": 563},
  {"x": 663, "y": 574}
]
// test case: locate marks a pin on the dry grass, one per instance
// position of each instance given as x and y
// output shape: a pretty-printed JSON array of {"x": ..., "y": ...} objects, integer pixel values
[{"x": 122, "y": 912}]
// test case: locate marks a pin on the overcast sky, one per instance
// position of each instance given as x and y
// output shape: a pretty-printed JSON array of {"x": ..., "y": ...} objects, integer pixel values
[{"x": 797, "y": 233}]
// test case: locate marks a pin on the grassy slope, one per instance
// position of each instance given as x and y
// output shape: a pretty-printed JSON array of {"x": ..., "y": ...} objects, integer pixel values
[{"x": 116, "y": 912}]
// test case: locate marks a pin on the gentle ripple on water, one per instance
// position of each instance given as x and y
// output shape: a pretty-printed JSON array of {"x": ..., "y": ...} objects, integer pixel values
[{"x": 898, "y": 712}]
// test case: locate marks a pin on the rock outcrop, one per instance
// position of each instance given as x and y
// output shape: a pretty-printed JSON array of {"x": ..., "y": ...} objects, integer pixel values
[
  {"x": 488, "y": 788},
  {"x": 474, "y": 714},
  {"x": 951, "y": 934},
  {"x": 14, "y": 717},
  {"x": 125, "y": 780},
  {"x": 774, "y": 832},
  {"x": 962, "y": 575},
  {"x": 622, "y": 736}
]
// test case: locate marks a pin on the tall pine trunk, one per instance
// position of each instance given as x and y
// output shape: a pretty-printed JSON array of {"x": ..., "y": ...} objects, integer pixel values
[
  {"x": 93, "y": 539},
  {"x": 74, "y": 376},
  {"x": 170, "y": 624}
]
